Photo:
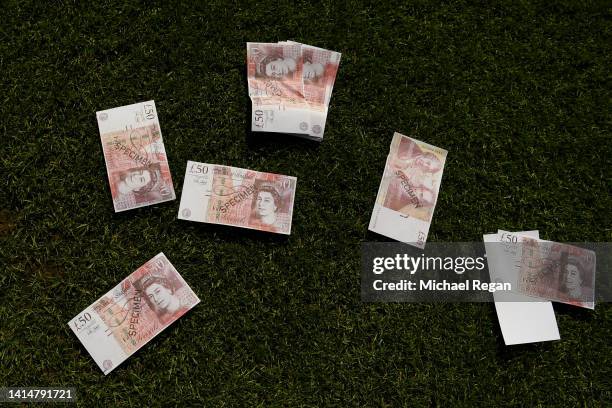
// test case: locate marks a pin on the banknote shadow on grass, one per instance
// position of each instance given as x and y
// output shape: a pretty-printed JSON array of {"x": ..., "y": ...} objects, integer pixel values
[
  {"x": 285, "y": 140},
  {"x": 372, "y": 236},
  {"x": 574, "y": 312},
  {"x": 234, "y": 234}
]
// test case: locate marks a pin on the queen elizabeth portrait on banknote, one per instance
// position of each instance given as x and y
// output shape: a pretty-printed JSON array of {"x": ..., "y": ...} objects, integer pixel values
[
  {"x": 274, "y": 64},
  {"x": 143, "y": 184},
  {"x": 265, "y": 207},
  {"x": 160, "y": 292},
  {"x": 413, "y": 186},
  {"x": 573, "y": 279}
]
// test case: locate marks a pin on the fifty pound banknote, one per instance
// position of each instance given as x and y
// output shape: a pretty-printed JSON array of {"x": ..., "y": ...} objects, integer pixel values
[
  {"x": 237, "y": 197},
  {"x": 290, "y": 85},
  {"x": 558, "y": 272},
  {"x": 136, "y": 310},
  {"x": 408, "y": 191},
  {"x": 275, "y": 72},
  {"x": 136, "y": 160}
]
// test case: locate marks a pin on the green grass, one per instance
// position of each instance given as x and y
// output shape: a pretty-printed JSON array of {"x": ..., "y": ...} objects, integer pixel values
[{"x": 518, "y": 94}]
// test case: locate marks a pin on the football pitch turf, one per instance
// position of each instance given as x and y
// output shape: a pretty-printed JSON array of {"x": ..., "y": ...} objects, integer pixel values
[{"x": 517, "y": 92}]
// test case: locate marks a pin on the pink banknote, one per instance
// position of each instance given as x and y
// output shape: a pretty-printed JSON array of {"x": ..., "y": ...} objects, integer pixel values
[
  {"x": 290, "y": 85},
  {"x": 238, "y": 197},
  {"x": 122, "y": 321},
  {"x": 275, "y": 72},
  {"x": 136, "y": 160},
  {"x": 408, "y": 191},
  {"x": 558, "y": 272},
  {"x": 320, "y": 67},
  {"x": 522, "y": 318}
]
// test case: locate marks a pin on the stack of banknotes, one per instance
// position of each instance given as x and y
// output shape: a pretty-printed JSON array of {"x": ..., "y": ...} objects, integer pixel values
[
  {"x": 539, "y": 272},
  {"x": 139, "y": 308},
  {"x": 290, "y": 85}
]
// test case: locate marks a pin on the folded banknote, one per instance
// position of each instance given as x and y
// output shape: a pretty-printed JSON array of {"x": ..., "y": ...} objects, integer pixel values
[
  {"x": 408, "y": 191},
  {"x": 122, "y": 321},
  {"x": 238, "y": 197},
  {"x": 290, "y": 85}
]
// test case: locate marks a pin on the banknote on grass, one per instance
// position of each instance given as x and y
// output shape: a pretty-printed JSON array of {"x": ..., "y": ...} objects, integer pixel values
[
  {"x": 558, "y": 272},
  {"x": 123, "y": 320},
  {"x": 238, "y": 197},
  {"x": 136, "y": 161},
  {"x": 290, "y": 86},
  {"x": 408, "y": 191},
  {"x": 522, "y": 319}
]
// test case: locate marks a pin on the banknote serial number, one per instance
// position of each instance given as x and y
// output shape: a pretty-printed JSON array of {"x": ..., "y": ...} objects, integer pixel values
[{"x": 34, "y": 394}]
